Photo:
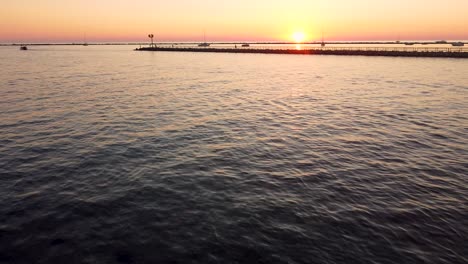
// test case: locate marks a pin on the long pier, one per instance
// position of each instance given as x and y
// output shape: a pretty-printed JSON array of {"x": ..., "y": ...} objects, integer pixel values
[{"x": 343, "y": 51}]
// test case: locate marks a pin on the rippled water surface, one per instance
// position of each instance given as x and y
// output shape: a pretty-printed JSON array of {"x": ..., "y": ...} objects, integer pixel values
[{"x": 108, "y": 155}]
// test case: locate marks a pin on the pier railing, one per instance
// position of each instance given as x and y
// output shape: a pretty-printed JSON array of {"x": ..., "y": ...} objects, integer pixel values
[
  {"x": 453, "y": 52},
  {"x": 376, "y": 49}
]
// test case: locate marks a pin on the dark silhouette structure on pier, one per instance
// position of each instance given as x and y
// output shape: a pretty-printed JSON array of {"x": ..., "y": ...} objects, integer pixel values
[{"x": 151, "y": 36}]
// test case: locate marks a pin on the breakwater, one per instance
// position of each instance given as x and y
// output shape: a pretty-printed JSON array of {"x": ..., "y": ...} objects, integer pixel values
[{"x": 387, "y": 51}]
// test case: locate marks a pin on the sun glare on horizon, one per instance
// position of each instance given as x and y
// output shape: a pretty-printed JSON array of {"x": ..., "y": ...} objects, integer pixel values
[{"x": 298, "y": 36}]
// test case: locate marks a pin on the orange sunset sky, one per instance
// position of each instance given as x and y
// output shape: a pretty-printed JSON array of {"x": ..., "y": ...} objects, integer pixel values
[{"x": 236, "y": 20}]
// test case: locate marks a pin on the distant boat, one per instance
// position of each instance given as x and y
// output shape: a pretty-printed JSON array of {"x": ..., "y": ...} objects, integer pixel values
[
  {"x": 458, "y": 44},
  {"x": 204, "y": 44},
  {"x": 323, "y": 42},
  {"x": 84, "y": 41},
  {"x": 245, "y": 45},
  {"x": 23, "y": 48}
]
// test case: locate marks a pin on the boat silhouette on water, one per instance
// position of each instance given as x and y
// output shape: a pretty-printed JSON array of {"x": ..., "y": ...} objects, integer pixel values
[
  {"x": 204, "y": 44},
  {"x": 23, "y": 48}
]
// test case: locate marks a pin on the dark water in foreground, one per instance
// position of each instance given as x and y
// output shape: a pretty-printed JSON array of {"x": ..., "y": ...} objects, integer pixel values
[{"x": 114, "y": 156}]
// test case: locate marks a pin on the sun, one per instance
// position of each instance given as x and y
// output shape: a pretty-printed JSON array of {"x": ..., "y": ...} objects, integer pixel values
[{"x": 298, "y": 36}]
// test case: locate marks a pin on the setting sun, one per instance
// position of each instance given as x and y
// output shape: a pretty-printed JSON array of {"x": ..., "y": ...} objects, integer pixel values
[
  {"x": 264, "y": 131},
  {"x": 298, "y": 36}
]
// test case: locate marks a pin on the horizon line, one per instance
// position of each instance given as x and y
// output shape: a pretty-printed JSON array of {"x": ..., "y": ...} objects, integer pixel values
[{"x": 122, "y": 42}]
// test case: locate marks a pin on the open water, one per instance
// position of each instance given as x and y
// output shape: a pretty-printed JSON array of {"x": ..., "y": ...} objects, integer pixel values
[{"x": 108, "y": 155}]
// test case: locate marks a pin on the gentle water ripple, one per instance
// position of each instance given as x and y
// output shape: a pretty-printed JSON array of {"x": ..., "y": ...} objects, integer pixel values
[{"x": 113, "y": 156}]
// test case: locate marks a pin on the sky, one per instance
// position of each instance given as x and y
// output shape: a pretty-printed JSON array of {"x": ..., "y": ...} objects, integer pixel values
[{"x": 234, "y": 20}]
